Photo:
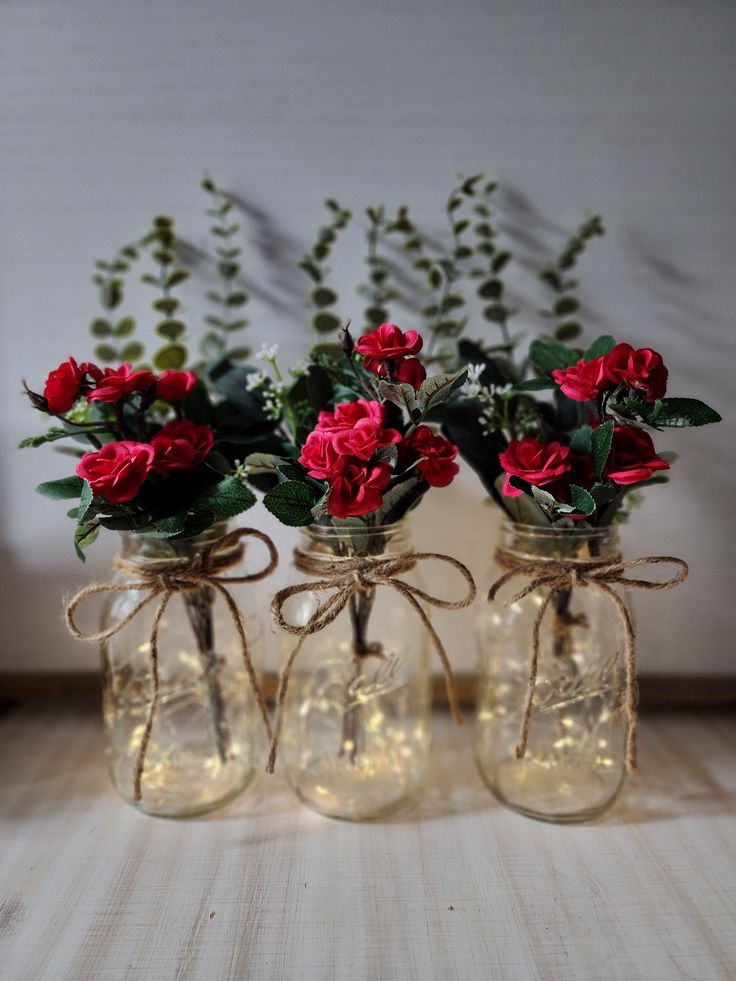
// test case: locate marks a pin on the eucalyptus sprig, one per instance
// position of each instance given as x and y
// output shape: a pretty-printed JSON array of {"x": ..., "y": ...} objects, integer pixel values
[
  {"x": 113, "y": 331},
  {"x": 556, "y": 276},
  {"x": 377, "y": 290},
  {"x": 323, "y": 297},
  {"x": 173, "y": 354},
  {"x": 230, "y": 298}
]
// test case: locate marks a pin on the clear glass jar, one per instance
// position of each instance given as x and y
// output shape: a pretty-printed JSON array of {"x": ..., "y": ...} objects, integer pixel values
[
  {"x": 574, "y": 762},
  {"x": 356, "y": 718},
  {"x": 201, "y": 752}
]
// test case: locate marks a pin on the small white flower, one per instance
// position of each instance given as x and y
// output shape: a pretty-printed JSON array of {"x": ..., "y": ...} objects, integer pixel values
[
  {"x": 472, "y": 385},
  {"x": 255, "y": 380},
  {"x": 299, "y": 370},
  {"x": 267, "y": 352}
]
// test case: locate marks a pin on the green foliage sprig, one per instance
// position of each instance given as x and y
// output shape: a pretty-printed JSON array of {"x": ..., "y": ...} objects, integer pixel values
[
  {"x": 323, "y": 297},
  {"x": 230, "y": 298},
  {"x": 113, "y": 331},
  {"x": 174, "y": 353}
]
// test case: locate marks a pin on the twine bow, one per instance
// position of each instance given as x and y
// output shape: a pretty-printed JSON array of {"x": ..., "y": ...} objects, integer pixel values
[
  {"x": 557, "y": 575},
  {"x": 346, "y": 578},
  {"x": 165, "y": 578}
]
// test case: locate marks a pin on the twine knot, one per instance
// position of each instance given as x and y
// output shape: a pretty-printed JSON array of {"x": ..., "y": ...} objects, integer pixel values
[
  {"x": 163, "y": 579},
  {"x": 560, "y": 574},
  {"x": 342, "y": 579}
]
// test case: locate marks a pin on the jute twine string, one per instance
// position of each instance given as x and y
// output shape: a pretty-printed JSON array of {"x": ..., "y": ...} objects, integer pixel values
[
  {"x": 346, "y": 578},
  {"x": 557, "y": 575},
  {"x": 161, "y": 580}
]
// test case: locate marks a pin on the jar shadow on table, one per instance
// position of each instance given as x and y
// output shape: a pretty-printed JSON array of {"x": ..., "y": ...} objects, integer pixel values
[{"x": 679, "y": 759}]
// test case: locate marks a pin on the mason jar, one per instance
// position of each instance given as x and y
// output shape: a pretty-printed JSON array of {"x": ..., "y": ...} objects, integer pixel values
[
  {"x": 574, "y": 763},
  {"x": 355, "y": 722},
  {"x": 191, "y": 746}
]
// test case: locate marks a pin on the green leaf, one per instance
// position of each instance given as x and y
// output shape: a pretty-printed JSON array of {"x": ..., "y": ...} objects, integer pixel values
[
  {"x": 100, "y": 327},
  {"x": 84, "y": 535},
  {"x": 85, "y": 501},
  {"x": 565, "y": 306},
  {"x": 601, "y": 439},
  {"x": 111, "y": 294},
  {"x": 323, "y": 296},
  {"x": 500, "y": 261},
  {"x": 600, "y": 346},
  {"x": 497, "y": 313},
  {"x": 239, "y": 353},
  {"x": 105, "y": 352},
  {"x": 166, "y": 304},
  {"x": 175, "y": 277},
  {"x": 325, "y": 322},
  {"x": 548, "y": 355},
  {"x": 227, "y": 499},
  {"x": 256, "y": 463},
  {"x": 568, "y": 330},
  {"x": 49, "y": 437},
  {"x": 677, "y": 413},
  {"x": 581, "y": 440},
  {"x": 438, "y": 389},
  {"x": 402, "y": 395},
  {"x": 125, "y": 327},
  {"x": 581, "y": 499},
  {"x": 238, "y": 299},
  {"x": 603, "y": 493},
  {"x": 171, "y": 356},
  {"x": 490, "y": 289},
  {"x": 170, "y": 329},
  {"x": 133, "y": 351},
  {"x": 311, "y": 269},
  {"x": 534, "y": 385},
  {"x": 61, "y": 490},
  {"x": 292, "y": 503}
]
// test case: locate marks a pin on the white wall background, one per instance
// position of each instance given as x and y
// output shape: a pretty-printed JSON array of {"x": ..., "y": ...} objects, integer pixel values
[{"x": 110, "y": 111}]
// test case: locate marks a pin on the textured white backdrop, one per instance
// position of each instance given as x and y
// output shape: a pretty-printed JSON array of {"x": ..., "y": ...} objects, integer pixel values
[{"x": 109, "y": 112}]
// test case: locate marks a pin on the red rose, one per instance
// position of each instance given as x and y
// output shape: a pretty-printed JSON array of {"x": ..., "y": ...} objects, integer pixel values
[
  {"x": 174, "y": 385},
  {"x": 584, "y": 381},
  {"x": 181, "y": 446},
  {"x": 632, "y": 457},
  {"x": 534, "y": 461},
  {"x": 347, "y": 414},
  {"x": 637, "y": 369},
  {"x": 356, "y": 490},
  {"x": 118, "y": 470},
  {"x": 364, "y": 439},
  {"x": 116, "y": 383},
  {"x": 320, "y": 458},
  {"x": 64, "y": 386},
  {"x": 410, "y": 371},
  {"x": 436, "y": 456},
  {"x": 387, "y": 343}
]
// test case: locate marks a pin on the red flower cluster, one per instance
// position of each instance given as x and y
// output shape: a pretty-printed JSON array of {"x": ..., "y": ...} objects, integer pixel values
[
  {"x": 118, "y": 470},
  {"x": 433, "y": 456},
  {"x": 389, "y": 353},
  {"x": 641, "y": 369},
  {"x": 343, "y": 448},
  {"x": 71, "y": 381},
  {"x": 555, "y": 466}
]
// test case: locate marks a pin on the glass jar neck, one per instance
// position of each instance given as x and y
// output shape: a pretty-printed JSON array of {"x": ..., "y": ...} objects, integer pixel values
[
  {"x": 576, "y": 544},
  {"x": 346, "y": 541},
  {"x": 146, "y": 548}
]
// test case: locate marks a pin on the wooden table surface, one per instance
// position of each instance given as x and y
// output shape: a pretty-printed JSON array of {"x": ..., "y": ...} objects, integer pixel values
[{"x": 456, "y": 888}]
